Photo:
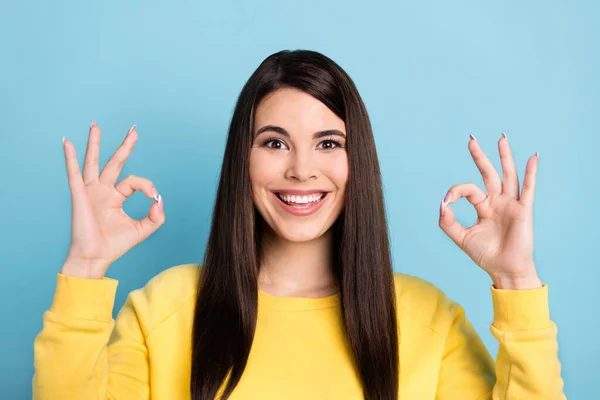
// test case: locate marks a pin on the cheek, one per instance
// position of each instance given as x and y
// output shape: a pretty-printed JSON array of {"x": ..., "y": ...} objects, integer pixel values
[
  {"x": 338, "y": 171},
  {"x": 263, "y": 170}
]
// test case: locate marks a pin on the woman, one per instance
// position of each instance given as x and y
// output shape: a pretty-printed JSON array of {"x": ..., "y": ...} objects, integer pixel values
[{"x": 296, "y": 297}]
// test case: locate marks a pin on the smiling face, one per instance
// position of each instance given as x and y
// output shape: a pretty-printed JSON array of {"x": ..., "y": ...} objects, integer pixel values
[{"x": 298, "y": 164}]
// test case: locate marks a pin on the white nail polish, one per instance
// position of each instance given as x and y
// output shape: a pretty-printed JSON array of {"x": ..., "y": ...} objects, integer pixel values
[
  {"x": 63, "y": 140},
  {"x": 504, "y": 135},
  {"x": 537, "y": 154},
  {"x": 156, "y": 197},
  {"x": 473, "y": 137},
  {"x": 447, "y": 198},
  {"x": 130, "y": 130}
]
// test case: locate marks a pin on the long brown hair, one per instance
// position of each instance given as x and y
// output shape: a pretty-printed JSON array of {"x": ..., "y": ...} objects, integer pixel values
[{"x": 226, "y": 306}]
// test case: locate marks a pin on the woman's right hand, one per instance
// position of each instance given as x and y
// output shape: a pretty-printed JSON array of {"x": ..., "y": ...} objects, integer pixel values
[{"x": 101, "y": 231}]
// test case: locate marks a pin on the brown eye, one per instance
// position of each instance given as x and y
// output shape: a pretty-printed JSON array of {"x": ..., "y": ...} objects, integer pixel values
[
  {"x": 273, "y": 143},
  {"x": 329, "y": 144}
]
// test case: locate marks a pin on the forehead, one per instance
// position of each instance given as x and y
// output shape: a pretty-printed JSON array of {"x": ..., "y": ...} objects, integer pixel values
[{"x": 294, "y": 110}]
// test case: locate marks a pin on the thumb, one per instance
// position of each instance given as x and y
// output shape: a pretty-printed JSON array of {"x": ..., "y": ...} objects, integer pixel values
[{"x": 450, "y": 225}]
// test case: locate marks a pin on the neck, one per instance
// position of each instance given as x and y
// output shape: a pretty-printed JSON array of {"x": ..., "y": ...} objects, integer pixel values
[{"x": 297, "y": 269}]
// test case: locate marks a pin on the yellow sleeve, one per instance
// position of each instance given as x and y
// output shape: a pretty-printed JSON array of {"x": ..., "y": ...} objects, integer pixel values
[
  {"x": 72, "y": 359},
  {"x": 527, "y": 365}
]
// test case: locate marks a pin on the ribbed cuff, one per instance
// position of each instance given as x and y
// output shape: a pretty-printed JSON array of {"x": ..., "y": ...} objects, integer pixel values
[
  {"x": 91, "y": 299},
  {"x": 516, "y": 310}
]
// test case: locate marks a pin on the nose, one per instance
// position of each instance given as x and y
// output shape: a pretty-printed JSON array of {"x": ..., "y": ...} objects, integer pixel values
[{"x": 301, "y": 166}]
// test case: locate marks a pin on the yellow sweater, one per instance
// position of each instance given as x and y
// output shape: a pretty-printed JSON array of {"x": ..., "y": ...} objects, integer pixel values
[{"x": 299, "y": 350}]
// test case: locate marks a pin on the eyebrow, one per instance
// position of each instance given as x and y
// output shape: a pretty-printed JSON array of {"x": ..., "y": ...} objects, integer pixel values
[{"x": 317, "y": 135}]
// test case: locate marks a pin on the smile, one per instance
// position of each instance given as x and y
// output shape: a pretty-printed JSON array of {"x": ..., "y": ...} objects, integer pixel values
[
  {"x": 299, "y": 200},
  {"x": 301, "y": 205}
]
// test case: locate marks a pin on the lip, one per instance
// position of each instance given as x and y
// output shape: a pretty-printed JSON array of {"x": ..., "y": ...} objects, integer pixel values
[
  {"x": 297, "y": 192},
  {"x": 301, "y": 211}
]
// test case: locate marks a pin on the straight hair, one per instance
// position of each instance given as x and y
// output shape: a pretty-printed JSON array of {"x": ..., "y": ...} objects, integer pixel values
[{"x": 226, "y": 306}]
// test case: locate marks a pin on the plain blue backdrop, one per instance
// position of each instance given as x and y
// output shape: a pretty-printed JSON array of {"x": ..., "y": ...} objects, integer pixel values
[{"x": 430, "y": 73}]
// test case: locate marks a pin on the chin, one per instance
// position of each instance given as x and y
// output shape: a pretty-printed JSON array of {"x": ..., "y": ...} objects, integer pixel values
[{"x": 299, "y": 233}]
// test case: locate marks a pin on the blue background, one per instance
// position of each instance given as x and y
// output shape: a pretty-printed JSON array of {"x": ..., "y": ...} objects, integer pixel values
[{"x": 430, "y": 73}]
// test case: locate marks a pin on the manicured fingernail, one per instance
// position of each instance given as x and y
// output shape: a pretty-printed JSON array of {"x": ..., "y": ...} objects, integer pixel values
[
  {"x": 130, "y": 130},
  {"x": 161, "y": 204},
  {"x": 537, "y": 154},
  {"x": 504, "y": 135},
  {"x": 447, "y": 198},
  {"x": 473, "y": 137},
  {"x": 92, "y": 124},
  {"x": 63, "y": 140},
  {"x": 442, "y": 208},
  {"x": 155, "y": 195}
]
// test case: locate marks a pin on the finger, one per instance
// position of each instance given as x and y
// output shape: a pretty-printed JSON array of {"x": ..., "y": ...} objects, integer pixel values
[
  {"x": 73, "y": 173},
  {"x": 452, "y": 228},
  {"x": 154, "y": 220},
  {"x": 135, "y": 183},
  {"x": 156, "y": 215},
  {"x": 510, "y": 185},
  {"x": 470, "y": 191},
  {"x": 447, "y": 222},
  {"x": 112, "y": 169},
  {"x": 491, "y": 179},
  {"x": 90, "y": 164},
  {"x": 528, "y": 192}
]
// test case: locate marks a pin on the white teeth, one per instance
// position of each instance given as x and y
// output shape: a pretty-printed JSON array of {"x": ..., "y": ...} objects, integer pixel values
[{"x": 302, "y": 199}]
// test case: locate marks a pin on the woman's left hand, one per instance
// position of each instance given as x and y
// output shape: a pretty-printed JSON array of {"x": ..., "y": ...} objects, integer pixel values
[{"x": 501, "y": 241}]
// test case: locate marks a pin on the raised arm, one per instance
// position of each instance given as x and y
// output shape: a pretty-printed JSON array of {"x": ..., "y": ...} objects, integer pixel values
[
  {"x": 501, "y": 243},
  {"x": 70, "y": 353}
]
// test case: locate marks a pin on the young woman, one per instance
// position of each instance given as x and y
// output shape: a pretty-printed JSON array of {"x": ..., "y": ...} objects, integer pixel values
[{"x": 296, "y": 297}]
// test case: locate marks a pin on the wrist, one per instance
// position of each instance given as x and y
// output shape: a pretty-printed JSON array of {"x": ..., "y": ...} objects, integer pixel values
[
  {"x": 83, "y": 269},
  {"x": 524, "y": 282}
]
